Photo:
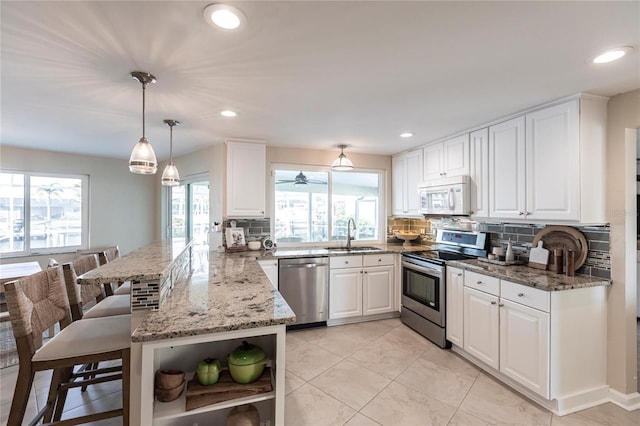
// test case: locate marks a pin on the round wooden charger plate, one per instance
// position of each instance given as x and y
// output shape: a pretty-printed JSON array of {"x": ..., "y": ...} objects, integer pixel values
[{"x": 564, "y": 237}]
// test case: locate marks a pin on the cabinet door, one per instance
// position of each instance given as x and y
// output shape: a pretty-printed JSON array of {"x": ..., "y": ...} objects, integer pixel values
[
  {"x": 345, "y": 293},
  {"x": 507, "y": 169},
  {"x": 454, "y": 309},
  {"x": 414, "y": 177},
  {"x": 432, "y": 161},
  {"x": 481, "y": 332},
  {"x": 377, "y": 289},
  {"x": 456, "y": 156},
  {"x": 479, "y": 171},
  {"x": 246, "y": 165},
  {"x": 553, "y": 163},
  {"x": 524, "y": 346},
  {"x": 399, "y": 185}
]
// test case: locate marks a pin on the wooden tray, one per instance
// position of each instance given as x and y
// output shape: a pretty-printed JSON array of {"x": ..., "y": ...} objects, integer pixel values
[
  {"x": 225, "y": 390},
  {"x": 564, "y": 237}
]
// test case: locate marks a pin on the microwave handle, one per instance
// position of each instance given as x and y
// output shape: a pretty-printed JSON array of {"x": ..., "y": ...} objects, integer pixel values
[{"x": 451, "y": 199}]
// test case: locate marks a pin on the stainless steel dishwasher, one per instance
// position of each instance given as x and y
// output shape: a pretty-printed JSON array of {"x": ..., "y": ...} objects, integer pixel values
[{"x": 304, "y": 284}]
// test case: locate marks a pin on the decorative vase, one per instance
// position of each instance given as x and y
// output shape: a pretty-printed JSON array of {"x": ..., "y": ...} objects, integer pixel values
[{"x": 243, "y": 415}]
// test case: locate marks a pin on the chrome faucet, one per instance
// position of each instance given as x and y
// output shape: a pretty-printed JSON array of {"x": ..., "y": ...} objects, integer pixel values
[{"x": 349, "y": 237}]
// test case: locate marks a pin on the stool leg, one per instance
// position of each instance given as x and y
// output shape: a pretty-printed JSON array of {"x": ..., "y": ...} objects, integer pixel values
[
  {"x": 65, "y": 377},
  {"x": 21, "y": 394},
  {"x": 53, "y": 394},
  {"x": 126, "y": 374}
]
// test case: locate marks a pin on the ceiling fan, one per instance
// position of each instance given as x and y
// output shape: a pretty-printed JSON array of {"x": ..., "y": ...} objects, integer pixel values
[{"x": 301, "y": 179}]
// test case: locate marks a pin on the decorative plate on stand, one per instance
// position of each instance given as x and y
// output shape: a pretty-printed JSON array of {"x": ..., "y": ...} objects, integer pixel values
[{"x": 566, "y": 238}]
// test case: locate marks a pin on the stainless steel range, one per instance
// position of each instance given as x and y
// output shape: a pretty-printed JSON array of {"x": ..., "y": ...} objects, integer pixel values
[{"x": 424, "y": 281}]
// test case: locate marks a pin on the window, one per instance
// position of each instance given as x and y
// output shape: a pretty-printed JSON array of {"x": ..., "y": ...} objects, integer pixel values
[
  {"x": 42, "y": 213},
  {"x": 313, "y": 206}
]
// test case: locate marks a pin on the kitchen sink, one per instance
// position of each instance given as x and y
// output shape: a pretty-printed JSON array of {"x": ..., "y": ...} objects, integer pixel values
[{"x": 353, "y": 249}]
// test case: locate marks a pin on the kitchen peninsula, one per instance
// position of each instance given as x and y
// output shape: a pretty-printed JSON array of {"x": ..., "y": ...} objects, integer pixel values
[{"x": 203, "y": 315}]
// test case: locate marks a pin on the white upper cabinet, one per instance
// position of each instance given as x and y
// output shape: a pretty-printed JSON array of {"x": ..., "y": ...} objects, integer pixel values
[
  {"x": 548, "y": 165},
  {"x": 447, "y": 158},
  {"x": 406, "y": 176},
  {"x": 246, "y": 176},
  {"x": 479, "y": 172},
  {"x": 552, "y": 163},
  {"x": 507, "y": 169}
]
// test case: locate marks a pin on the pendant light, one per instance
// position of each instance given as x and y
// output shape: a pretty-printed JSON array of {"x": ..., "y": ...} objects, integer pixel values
[
  {"x": 170, "y": 176},
  {"x": 342, "y": 163},
  {"x": 143, "y": 159}
]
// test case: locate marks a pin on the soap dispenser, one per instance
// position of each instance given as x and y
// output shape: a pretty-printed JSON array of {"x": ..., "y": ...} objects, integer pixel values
[{"x": 509, "y": 257}]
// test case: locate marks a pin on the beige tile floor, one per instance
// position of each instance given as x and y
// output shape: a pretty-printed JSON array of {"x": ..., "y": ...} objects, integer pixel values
[{"x": 375, "y": 373}]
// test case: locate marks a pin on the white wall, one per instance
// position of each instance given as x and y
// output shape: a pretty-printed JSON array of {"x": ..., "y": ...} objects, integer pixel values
[
  {"x": 623, "y": 113},
  {"x": 121, "y": 205}
]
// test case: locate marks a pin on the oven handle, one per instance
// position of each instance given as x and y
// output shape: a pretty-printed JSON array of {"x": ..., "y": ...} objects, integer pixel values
[{"x": 431, "y": 271}]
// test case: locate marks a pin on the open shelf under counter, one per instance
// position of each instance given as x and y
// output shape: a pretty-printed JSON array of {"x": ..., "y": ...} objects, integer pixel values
[
  {"x": 184, "y": 352},
  {"x": 170, "y": 410}
]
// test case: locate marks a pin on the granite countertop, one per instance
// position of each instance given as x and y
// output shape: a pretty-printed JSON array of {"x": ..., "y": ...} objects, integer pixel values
[
  {"x": 521, "y": 274},
  {"x": 233, "y": 294},
  {"x": 290, "y": 252},
  {"x": 147, "y": 263}
]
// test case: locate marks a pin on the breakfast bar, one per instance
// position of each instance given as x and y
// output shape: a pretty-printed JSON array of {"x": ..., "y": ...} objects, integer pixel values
[{"x": 180, "y": 318}]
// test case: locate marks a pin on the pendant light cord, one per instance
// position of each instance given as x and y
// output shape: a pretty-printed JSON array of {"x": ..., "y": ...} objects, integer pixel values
[
  {"x": 171, "y": 145},
  {"x": 144, "y": 86}
]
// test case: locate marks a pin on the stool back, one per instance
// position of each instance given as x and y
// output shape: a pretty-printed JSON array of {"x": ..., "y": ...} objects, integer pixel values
[{"x": 80, "y": 295}]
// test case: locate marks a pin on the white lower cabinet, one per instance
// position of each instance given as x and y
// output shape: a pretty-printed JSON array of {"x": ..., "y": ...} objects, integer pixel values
[
  {"x": 481, "y": 319},
  {"x": 361, "y": 285},
  {"x": 524, "y": 346},
  {"x": 377, "y": 290},
  {"x": 531, "y": 337},
  {"x": 454, "y": 303},
  {"x": 345, "y": 293}
]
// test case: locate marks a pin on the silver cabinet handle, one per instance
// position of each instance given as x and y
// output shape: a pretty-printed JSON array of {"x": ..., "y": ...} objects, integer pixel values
[
  {"x": 520, "y": 294},
  {"x": 520, "y": 213},
  {"x": 479, "y": 282},
  {"x": 493, "y": 303},
  {"x": 458, "y": 275},
  {"x": 501, "y": 305}
]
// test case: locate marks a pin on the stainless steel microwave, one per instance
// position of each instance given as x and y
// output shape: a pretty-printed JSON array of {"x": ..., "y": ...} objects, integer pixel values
[{"x": 446, "y": 196}]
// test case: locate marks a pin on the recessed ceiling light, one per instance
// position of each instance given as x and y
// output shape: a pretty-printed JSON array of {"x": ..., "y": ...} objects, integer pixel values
[
  {"x": 228, "y": 113},
  {"x": 224, "y": 16},
  {"x": 406, "y": 134},
  {"x": 611, "y": 55}
]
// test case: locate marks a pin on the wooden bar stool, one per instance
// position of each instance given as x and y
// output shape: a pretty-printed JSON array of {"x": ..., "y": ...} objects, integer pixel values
[
  {"x": 80, "y": 295},
  {"x": 37, "y": 302}
]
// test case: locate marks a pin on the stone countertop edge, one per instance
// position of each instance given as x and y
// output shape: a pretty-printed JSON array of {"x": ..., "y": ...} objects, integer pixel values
[
  {"x": 522, "y": 274},
  {"x": 148, "y": 263}
]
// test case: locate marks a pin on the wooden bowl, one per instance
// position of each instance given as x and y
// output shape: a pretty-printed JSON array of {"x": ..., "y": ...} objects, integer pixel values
[
  {"x": 167, "y": 395},
  {"x": 169, "y": 379}
]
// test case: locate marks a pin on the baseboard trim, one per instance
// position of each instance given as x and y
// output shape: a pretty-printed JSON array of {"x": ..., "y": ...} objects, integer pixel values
[
  {"x": 567, "y": 405},
  {"x": 367, "y": 318},
  {"x": 629, "y": 402}
]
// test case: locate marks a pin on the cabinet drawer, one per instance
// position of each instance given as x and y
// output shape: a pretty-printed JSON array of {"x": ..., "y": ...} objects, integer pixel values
[
  {"x": 378, "y": 259},
  {"x": 345, "y": 261},
  {"x": 525, "y": 295},
  {"x": 482, "y": 282}
]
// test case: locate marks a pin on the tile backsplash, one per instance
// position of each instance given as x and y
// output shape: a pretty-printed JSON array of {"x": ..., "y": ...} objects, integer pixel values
[
  {"x": 419, "y": 226},
  {"x": 254, "y": 229},
  {"x": 598, "y": 261}
]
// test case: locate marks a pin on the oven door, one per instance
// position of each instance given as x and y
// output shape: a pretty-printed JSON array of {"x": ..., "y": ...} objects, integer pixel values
[{"x": 423, "y": 291}]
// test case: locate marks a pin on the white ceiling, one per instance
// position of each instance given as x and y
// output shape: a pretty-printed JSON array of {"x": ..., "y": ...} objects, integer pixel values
[{"x": 308, "y": 74}]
